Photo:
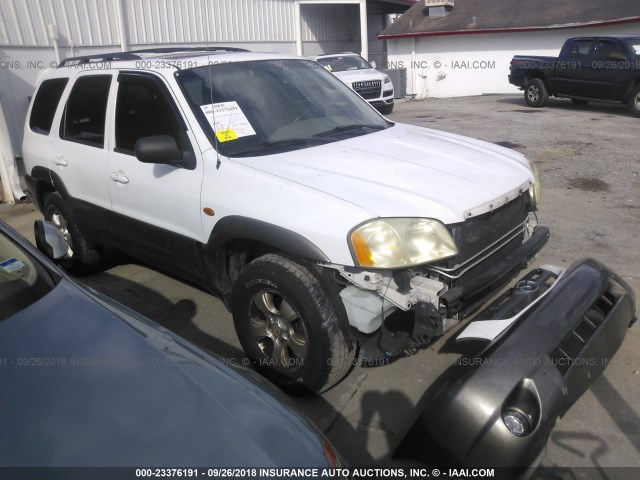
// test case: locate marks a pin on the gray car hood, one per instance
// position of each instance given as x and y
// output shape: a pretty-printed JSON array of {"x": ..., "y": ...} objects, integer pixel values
[{"x": 84, "y": 386}]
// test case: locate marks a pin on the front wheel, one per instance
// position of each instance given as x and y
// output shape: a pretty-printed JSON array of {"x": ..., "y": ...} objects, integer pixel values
[
  {"x": 634, "y": 102},
  {"x": 535, "y": 93},
  {"x": 288, "y": 326}
]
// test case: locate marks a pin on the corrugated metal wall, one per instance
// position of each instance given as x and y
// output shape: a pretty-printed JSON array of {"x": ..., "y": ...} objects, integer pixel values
[
  {"x": 198, "y": 21},
  {"x": 23, "y": 23},
  {"x": 330, "y": 23},
  {"x": 86, "y": 23},
  {"x": 93, "y": 23}
]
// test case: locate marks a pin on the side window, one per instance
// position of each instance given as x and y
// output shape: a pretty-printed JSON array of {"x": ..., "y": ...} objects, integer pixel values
[
  {"x": 606, "y": 48},
  {"x": 143, "y": 109},
  {"x": 45, "y": 104},
  {"x": 580, "y": 49},
  {"x": 84, "y": 115}
]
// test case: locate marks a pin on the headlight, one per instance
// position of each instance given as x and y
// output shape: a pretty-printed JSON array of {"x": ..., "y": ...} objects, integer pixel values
[
  {"x": 401, "y": 242},
  {"x": 387, "y": 80},
  {"x": 535, "y": 191}
]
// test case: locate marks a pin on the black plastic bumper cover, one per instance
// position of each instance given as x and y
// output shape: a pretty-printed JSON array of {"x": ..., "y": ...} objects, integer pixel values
[{"x": 540, "y": 366}]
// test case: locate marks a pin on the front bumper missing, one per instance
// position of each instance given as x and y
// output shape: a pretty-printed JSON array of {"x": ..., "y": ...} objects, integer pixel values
[
  {"x": 539, "y": 366},
  {"x": 430, "y": 322}
]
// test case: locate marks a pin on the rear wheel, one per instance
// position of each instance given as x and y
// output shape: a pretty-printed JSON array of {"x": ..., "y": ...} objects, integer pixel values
[
  {"x": 634, "y": 102},
  {"x": 535, "y": 93},
  {"x": 82, "y": 257},
  {"x": 288, "y": 327}
]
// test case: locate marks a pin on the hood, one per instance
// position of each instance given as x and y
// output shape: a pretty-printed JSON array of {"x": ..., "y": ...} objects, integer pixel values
[
  {"x": 407, "y": 171},
  {"x": 118, "y": 390},
  {"x": 348, "y": 76}
]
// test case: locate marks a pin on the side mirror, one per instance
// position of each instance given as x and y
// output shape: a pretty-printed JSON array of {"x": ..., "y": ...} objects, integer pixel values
[
  {"x": 373, "y": 64},
  {"x": 49, "y": 240},
  {"x": 161, "y": 149}
]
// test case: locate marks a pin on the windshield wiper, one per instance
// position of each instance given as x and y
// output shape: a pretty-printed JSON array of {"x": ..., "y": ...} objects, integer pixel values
[
  {"x": 348, "y": 128},
  {"x": 284, "y": 143}
]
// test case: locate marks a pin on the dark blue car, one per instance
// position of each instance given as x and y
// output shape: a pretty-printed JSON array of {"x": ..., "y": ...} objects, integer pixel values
[{"x": 86, "y": 382}]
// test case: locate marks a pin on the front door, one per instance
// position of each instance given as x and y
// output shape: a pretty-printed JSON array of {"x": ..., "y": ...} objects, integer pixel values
[{"x": 156, "y": 207}]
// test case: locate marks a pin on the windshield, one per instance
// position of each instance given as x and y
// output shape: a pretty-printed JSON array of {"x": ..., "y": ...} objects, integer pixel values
[
  {"x": 634, "y": 43},
  {"x": 270, "y": 106},
  {"x": 23, "y": 281},
  {"x": 340, "y": 63}
]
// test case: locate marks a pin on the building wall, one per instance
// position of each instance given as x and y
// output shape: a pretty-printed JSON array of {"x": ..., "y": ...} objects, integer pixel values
[{"x": 463, "y": 65}]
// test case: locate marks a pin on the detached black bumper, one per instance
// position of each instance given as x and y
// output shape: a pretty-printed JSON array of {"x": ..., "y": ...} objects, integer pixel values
[{"x": 530, "y": 375}]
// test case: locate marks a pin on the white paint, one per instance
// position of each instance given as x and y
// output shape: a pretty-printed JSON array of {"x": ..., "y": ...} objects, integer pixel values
[{"x": 477, "y": 64}]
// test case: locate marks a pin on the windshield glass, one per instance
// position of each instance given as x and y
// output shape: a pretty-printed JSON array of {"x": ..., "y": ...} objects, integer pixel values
[
  {"x": 634, "y": 43},
  {"x": 270, "y": 106},
  {"x": 23, "y": 281},
  {"x": 340, "y": 63}
]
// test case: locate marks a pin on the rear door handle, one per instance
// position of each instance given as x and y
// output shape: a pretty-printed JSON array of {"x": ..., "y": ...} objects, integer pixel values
[
  {"x": 61, "y": 161},
  {"x": 119, "y": 177}
]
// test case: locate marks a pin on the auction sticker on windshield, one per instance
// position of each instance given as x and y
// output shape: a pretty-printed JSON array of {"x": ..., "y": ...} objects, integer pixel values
[{"x": 228, "y": 121}]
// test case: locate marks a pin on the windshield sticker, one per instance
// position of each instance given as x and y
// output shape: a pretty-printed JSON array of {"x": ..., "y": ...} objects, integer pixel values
[
  {"x": 226, "y": 135},
  {"x": 11, "y": 265},
  {"x": 228, "y": 121}
]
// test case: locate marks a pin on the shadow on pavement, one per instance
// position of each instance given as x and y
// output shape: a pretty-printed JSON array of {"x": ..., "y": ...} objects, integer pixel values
[{"x": 177, "y": 317}]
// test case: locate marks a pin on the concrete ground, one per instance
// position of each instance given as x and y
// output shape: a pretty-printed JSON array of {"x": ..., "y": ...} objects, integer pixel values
[{"x": 589, "y": 158}]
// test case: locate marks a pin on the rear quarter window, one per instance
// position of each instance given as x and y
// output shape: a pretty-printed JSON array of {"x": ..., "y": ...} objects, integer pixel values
[{"x": 45, "y": 104}]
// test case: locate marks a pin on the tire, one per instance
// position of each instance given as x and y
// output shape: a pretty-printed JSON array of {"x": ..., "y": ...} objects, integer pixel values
[
  {"x": 386, "y": 109},
  {"x": 535, "y": 93},
  {"x": 288, "y": 327},
  {"x": 579, "y": 101},
  {"x": 82, "y": 257},
  {"x": 634, "y": 102}
]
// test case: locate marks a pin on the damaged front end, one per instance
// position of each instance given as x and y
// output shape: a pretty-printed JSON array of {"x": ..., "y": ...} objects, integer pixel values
[
  {"x": 497, "y": 407},
  {"x": 491, "y": 249}
]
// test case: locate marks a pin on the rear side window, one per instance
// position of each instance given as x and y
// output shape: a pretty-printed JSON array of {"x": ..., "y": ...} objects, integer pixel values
[
  {"x": 45, "y": 104},
  {"x": 580, "y": 49},
  {"x": 84, "y": 115}
]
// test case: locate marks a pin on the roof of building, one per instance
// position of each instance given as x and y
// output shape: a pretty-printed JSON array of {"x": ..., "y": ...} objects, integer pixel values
[{"x": 491, "y": 16}]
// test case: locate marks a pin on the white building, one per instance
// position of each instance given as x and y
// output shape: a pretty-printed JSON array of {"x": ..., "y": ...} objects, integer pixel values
[
  {"x": 37, "y": 34},
  {"x": 464, "y": 47}
]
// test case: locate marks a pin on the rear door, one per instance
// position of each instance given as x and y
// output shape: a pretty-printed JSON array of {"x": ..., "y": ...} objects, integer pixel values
[
  {"x": 156, "y": 207},
  {"x": 79, "y": 157},
  {"x": 573, "y": 71}
]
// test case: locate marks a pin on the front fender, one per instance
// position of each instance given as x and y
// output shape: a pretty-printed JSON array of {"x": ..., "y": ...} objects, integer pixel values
[{"x": 236, "y": 227}]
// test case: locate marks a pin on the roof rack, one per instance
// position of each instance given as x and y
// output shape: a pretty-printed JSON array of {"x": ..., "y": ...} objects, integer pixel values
[
  {"x": 100, "y": 57},
  {"x": 189, "y": 49},
  {"x": 133, "y": 54}
]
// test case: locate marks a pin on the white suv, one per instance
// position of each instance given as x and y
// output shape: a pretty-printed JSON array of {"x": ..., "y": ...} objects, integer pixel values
[
  {"x": 267, "y": 181},
  {"x": 372, "y": 85}
]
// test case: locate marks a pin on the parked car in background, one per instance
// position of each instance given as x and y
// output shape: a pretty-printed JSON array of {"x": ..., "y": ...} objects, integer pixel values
[
  {"x": 362, "y": 76},
  {"x": 588, "y": 68},
  {"x": 86, "y": 382}
]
